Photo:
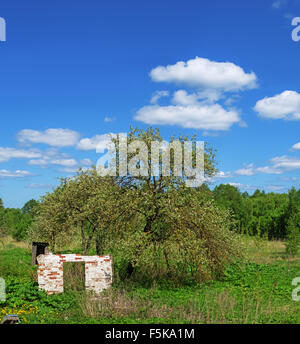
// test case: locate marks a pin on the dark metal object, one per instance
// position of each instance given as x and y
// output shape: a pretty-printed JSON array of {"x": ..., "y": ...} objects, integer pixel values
[{"x": 37, "y": 249}]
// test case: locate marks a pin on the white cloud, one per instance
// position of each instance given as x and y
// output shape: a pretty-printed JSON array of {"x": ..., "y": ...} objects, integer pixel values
[
  {"x": 205, "y": 74},
  {"x": 157, "y": 95},
  {"x": 288, "y": 179},
  {"x": 52, "y": 137},
  {"x": 275, "y": 187},
  {"x": 286, "y": 163},
  {"x": 72, "y": 170},
  {"x": 296, "y": 146},
  {"x": 269, "y": 170},
  {"x": 68, "y": 170},
  {"x": 86, "y": 162},
  {"x": 109, "y": 119},
  {"x": 246, "y": 171},
  {"x": 47, "y": 161},
  {"x": 14, "y": 174},
  {"x": 278, "y": 3},
  {"x": 7, "y": 153},
  {"x": 53, "y": 157},
  {"x": 38, "y": 162},
  {"x": 222, "y": 174},
  {"x": 97, "y": 141},
  {"x": 285, "y": 105},
  {"x": 197, "y": 116},
  {"x": 181, "y": 97},
  {"x": 197, "y": 109},
  {"x": 233, "y": 99},
  {"x": 219, "y": 176},
  {"x": 242, "y": 186},
  {"x": 64, "y": 162},
  {"x": 278, "y": 165}
]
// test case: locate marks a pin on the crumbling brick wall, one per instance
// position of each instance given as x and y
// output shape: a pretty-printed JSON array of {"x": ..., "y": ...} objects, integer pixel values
[{"x": 98, "y": 271}]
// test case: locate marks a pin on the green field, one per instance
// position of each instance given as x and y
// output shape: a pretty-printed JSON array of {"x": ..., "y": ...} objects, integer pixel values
[{"x": 257, "y": 290}]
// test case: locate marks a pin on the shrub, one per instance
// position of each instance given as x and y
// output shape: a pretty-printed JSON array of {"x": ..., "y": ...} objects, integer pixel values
[{"x": 293, "y": 235}]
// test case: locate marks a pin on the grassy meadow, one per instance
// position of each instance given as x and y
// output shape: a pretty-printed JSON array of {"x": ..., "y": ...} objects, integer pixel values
[{"x": 256, "y": 291}]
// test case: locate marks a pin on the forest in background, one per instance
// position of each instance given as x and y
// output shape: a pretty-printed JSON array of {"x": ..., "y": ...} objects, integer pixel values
[{"x": 266, "y": 215}]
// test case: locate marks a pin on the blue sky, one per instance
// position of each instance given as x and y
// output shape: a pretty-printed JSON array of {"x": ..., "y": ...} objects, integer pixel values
[{"x": 73, "y": 71}]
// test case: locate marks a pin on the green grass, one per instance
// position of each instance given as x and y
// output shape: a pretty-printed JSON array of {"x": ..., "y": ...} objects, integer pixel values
[{"x": 258, "y": 291}]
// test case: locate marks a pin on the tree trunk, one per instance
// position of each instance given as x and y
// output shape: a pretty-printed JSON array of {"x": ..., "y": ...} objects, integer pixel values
[
  {"x": 82, "y": 238},
  {"x": 100, "y": 243}
]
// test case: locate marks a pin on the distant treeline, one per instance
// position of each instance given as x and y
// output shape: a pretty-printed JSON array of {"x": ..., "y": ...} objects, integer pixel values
[
  {"x": 267, "y": 215},
  {"x": 262, "y": 214},
  {"x": 14, "y": 221}
]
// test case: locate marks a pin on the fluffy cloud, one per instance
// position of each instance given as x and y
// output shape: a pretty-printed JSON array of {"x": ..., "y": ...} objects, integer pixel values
[
  {"x": 246, "y": 171},
  {"x": 202, "y": 73},
  {"x": 278, "y": 165},
  {"x": 285, "y": 105},
  {"x": 296, "y": 146},
  {"x": 198, "y": 116},
  {"x": 157, "y": 95},
  {"x": 98, "y": 141},
  {"x": 48, "y": 161},
  {"x": 14, "y": 174},
  {"x": 197, "y": 109},
  {"x": 222, "y": 174},
  {"x": 7, "y": 153},
  {"x": 269, "y": 170},
  {"x": 109, "y": 119},
  {"x": 286, "y": 163},
  {"x": 181, "y": 97},
  {"x": 86, "y": 162},
  {"x": 53, "y": 157},
  {"x": 52, "y": 137},
  {"x": 219, "y": 176},
  {"x": 68, "y": 170}
]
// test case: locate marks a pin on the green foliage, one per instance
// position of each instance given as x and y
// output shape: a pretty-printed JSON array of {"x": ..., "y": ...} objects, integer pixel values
[
  {"x": 30, "y": 207},
  {"x": 162, "y": 228},
  {"x": 16, "y": 222},
  {"x": 229, "y": 197},
  {"x": 15, "y": 262},
  {"x": 247, "y": 293},
  {"x": 81, "y": 205},
  {"x": 262, "y": 214},
  {"x": 293, "y": 234}
]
